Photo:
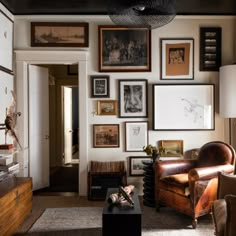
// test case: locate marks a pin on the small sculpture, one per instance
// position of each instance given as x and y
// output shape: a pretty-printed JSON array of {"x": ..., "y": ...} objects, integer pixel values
[{"x": 154, "y": 151}]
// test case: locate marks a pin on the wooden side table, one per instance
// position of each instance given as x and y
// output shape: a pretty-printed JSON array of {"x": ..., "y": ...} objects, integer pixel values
[{"x": 120, "y": 220}]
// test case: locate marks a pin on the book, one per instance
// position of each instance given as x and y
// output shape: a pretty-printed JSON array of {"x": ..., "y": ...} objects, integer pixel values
[
  {"x": 6, "y": 159},
  {"x": 10, "y": 167},
  {"x": 6, "y": 146}
]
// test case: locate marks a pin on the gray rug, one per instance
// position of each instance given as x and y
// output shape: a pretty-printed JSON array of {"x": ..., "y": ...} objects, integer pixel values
[{"x": 87, "y": 221}]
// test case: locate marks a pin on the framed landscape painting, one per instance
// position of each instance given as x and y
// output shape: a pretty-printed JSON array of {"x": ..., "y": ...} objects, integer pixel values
[
  {"x": 107, "y": 107},
  {"x": 124, "y": 49},
  {"x": 136, "y": 165},
  {"x": 173, "y": 148}
]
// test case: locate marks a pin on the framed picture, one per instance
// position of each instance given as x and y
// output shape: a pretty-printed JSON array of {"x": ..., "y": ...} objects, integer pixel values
[
  {"x": 136, "y": 165},
  {"x": 100, "y": 86},
  {"x": 124, "y": 49},
  {"x": 173, "y": 148},
  {"x": 183, "y": 107},
  {"x": 177, "y": 59},
  {"x": 133, "y": 98},
  {"x": 136, "y": 136},
  {"x": 106, "y": 136},
  {"x": 210, "y": 48},
  {"x": 72, "y": 69},
  {"x": 59, "y": 34},
  {"x": 107, "y": 107},
  {"x": 6, "y": 43}
]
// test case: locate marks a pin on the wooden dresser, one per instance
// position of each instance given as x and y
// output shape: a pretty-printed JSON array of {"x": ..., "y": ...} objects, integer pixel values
[{"x": 15, "y": 203}]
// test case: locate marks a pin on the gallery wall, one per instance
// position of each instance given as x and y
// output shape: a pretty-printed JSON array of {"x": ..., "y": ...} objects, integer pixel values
[{"x": 181, "y": 27}]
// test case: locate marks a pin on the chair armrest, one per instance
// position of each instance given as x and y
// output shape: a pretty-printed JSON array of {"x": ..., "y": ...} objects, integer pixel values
[
  {"x": 205, "y": 173},
  {"x": 170, "y": 167},
  {"x": 231, "y": 214}
]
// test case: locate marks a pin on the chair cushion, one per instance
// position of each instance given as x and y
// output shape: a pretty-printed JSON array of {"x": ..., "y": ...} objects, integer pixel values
[
  {"x": 219, "y": 213},
  {"x": 177, "y": 183}
]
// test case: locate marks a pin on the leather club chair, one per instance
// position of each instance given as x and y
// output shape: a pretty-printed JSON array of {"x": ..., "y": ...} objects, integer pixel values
[
  {"x": 190, "y": 186},
  {"x": 224, "y": 208}
]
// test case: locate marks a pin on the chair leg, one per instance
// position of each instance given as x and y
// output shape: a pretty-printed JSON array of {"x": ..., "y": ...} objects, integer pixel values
[{"x": 194, "y": 223}]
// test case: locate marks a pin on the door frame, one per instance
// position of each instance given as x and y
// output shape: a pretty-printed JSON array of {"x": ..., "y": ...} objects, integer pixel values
[{"x": 27, "y": 57}]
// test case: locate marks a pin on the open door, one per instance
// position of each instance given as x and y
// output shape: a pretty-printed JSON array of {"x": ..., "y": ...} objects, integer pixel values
[{"x": 38, "y": 126}]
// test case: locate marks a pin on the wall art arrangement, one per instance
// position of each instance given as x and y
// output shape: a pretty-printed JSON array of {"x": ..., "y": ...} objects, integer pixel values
[
  {"x": 59, "y": 34},
  {"x": 107, "y": 107},
  {"x": 133, "y": 100},
  {"x": 177, "y": 59},
  {"x": 173, "y": 148},
  {"x": 106, "y": 136},
  {"x": 124, "y": 49},
  {"x": 6, "y": 43},
  {"x": 210, "y": 48},
  {"x": 136, "y": 136},
  {"x": 100, "y": 86},
  {"x": 136, "y": 165},
  {"x": 183, "y": 107}
]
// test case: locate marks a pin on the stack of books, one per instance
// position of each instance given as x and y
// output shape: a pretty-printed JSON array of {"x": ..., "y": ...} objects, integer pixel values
[{"x": 7, "y": 164}]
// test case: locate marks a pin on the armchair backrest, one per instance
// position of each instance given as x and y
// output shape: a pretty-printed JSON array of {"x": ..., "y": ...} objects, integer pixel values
[
  {"x": 216, "y": 153},
  {"x": 226, "y": 185}
]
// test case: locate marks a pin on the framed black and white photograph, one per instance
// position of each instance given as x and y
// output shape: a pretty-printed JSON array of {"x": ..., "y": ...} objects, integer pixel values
[
  {"x": 133, "y": 98},
  {"x": 136, "y": 136},
  {"x": 124, "y": 49},
  {"x": 177, "y": 59},
  {"x": 100, "y": 86},
  {"x": 183, "y": 106},
  {"x": 136, "y": 165},
  {"x": 6, "y": 43}
]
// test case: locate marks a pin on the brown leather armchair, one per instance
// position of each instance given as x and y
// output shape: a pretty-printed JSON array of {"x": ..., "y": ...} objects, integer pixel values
[
  {"x": 224, "y": 208},
  {"x": 190, "y": 186}
]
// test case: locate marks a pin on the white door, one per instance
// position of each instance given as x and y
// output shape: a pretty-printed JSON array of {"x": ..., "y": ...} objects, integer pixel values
[
  {"x": 38, "y": 126},
  {"x": 68, "y": 129}
]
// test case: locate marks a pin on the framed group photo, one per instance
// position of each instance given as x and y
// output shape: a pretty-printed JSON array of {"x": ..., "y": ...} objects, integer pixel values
[
  {"x": 136, "y": 136},
  {"x": 124, "y": 49},
  {"x": 177, "y": 59},
  {"x": 106, "y": 136},
  {"x": 100, "y": 86},
  {"x": 183, "y": 106},
  {"x": 173, "y": 148},
  {"x": 133, "y": 100},
  {"x": 107, "y": 107},
  {"x": 136, "y": 165}
]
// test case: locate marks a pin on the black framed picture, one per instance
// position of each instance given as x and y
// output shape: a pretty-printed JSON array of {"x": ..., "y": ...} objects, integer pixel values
[
  {"x": 100, "y": 86},
  {"x": 133, "y": 98}
]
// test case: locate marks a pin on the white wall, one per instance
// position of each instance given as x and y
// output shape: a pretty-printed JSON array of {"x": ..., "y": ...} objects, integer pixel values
[{"x": 180, "y": 27}]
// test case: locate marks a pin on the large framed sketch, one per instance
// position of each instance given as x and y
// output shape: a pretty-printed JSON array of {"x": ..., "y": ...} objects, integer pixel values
[
  {"x": 6, "y": 43},
  {"x": 124, "y": 49},
  {"x": 136, "y": 136},
  {"x": 183, "y": 107},
  {"x": 133, "y": 98}
]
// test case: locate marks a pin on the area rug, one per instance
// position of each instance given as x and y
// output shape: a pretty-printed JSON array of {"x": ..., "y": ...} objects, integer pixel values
[{"x": 87, "y": 221}]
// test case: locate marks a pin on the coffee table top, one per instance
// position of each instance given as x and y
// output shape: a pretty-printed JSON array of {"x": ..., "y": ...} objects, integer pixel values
[{"x": 121, "y": 209}]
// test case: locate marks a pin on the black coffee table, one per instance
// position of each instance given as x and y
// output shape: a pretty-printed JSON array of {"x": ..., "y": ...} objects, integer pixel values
[{"x": 119, "y": 220}]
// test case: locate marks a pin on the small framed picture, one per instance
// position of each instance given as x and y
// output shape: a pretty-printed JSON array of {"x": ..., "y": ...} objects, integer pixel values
[
  {"x": 173, "y": 148},
  {"x": 136, "y": 165},
  {"x": 133, "y": 98},
  {"x": 100, "y": 86},
  {"x": 106, "y": 136},
  {"x": 136, "y": 136},
  {"x": 177, "y": 59},
  {"x": 107, "y": 107}
]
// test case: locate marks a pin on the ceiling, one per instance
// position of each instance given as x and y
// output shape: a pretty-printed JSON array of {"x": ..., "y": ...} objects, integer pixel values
[{"x": 99, "y": 7}]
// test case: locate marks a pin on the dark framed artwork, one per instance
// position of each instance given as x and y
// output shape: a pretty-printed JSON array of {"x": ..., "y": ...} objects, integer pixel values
[
  {"x": 210, "y": 48},
  {"x": 133, "y": 100},
  {"x": 184, "y": 107},
  {"x": 59, "y": 34},
  {"x": 124, "y": 49},
  {"x": 136, "y": 165},
  {"x": 100, "y": 86},
  {"x": 107, "y": 107},
  {"x": 106, "y": 136},
  {"x": 177, "y": 59}
]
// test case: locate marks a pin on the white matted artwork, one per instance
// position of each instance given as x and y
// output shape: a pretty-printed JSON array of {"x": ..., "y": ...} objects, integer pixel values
[
  {"x": 136, "y": 136},
  {"x": 136, "y": 165},
  {"x": 183, "y": 107}
]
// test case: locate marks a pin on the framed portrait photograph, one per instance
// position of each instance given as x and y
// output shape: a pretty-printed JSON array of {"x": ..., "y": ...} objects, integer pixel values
[
  {"x": 100, "y": 86},
  {"x": 133, "y": 100},
  {"x": 124, "y": 49},
  {"x": 107, "y": 107},
  {"x": 177, "y": 59},
  {"x": 59, "y": 34},
  {"x": 136, "y": 165},
  {"x": 173, "y": 148},
  {"x": 136, "y": 136},
  {"x": 6, "y": 43},
  {"x": 183, "y": 106},
  {"x": 106, "y": 136}
]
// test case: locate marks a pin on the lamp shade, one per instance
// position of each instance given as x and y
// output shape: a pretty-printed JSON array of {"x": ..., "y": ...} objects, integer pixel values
[{"x": 228, "y": 91}]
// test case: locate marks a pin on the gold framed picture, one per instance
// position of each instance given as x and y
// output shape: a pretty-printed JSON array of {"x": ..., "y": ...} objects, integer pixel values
[
  {"x": 173, "y": 148},
  {"x": 107, "y": 107}
]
